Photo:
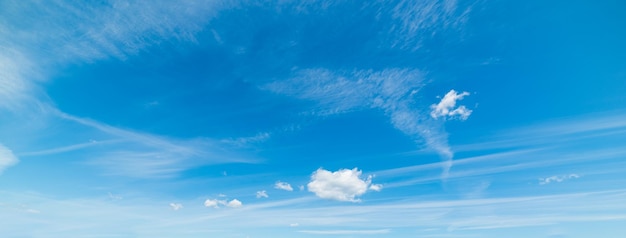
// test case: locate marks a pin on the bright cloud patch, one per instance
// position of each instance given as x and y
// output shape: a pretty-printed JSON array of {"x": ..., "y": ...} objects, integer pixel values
[
  {"x": 283, "y": 186},
  {"x": 262, "y": 194},
  {"x": 447, "y": 108},
  {"x": 7, "y": 158},
  {"x": 215, "y": 203},
  {"x": 212, "y": 203},
  {"x": 557, "y": 178},
  {"x": 376, "y": 187},
  {"x": 176, "y": 206},
  {"x": 234, "y": 203},
  {"x": 342, "y": 185}
]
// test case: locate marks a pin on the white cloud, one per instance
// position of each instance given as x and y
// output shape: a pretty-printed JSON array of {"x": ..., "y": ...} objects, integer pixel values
[
  {"x": 234, "y": 203},
  {"x": 177, "y": 206},
  {"x": 283, "y": 186},
  {"x": 212, "y": 203},
  {"x": 294, "y": 224},
  {"x": 7, "y": 158},
  {"x": 557, "y": 178},
  {"x": 376, "y": 187},
  {"x": 342, "y": 185},
  {"x": 261, "y": 194},
  {"x": 215, "y": 203},
  {"x": 447, "y": 108}
]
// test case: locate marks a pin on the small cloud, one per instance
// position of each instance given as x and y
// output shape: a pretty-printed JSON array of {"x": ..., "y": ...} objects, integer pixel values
[
  {"x": 376, "y": 187},
  {"x": 342, "y": 185},
  {"x": 215, "y": 203},
  {"x": 301, "y": 187},
  {"x": 294, "y": 224},
  {"x": 557, "y": 178},
  {"x": 261, "y": 194},
  {"x": 222, "y": 195},
  {"x": 447, "y": 107},
  {"x": 283, "y": 186},
  {"x": 234, "y": 203},
  {"x": 177, "y": 206},
  {"x": 7, "y": 158},
  {"x": 211, "y": 203}
]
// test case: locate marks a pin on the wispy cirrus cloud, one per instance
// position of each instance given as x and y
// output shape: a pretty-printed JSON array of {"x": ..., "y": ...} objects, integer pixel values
[
  {"x": 90, "y": 31},
  {"x": 36, "y": 37},
  {"x": 346, "y": 232},
  {"x": 557, "y": 178},
  {"x": 556, "y": 132},
  {"x": 445, "y": 215},
  {"x": 145, "y": 155},
  {"x": 393, "y": 91},
  {"x": 416, "y": 22}
]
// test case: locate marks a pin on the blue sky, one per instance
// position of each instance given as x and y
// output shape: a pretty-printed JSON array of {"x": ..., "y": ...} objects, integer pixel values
[{"x": 312, "y": 118}]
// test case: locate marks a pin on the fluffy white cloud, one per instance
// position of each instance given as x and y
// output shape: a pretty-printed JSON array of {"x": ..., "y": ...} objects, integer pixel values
[
  {"x": 261, "y": 194},
  {"x": 7, "y": 158},
  {"x": 177, "y": 206},
  {"x": 215, "y": 203},
  {"x": 294, "y": 224},
  {"x": 283, "y": 186},
  {"x": 342, "y": 185},
  {"x": 212, "y": 203},
  {"x": 234, "y": 203},
  {"x": 376, "y": 187},
  {"x": 447, "y": 107},
  {"x": 557, "y": 178}
]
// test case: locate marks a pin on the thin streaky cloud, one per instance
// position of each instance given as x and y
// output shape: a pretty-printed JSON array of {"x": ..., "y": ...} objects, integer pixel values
[
  {"x": 68, "y": 148},
  {"x": 391, "y": 90},
  {"x": 346, "y": 232},
  {"x": 565, "y": 130}
]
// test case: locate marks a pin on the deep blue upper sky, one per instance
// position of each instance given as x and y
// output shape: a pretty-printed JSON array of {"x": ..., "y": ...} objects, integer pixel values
[{"x": 312, "y": 118}]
